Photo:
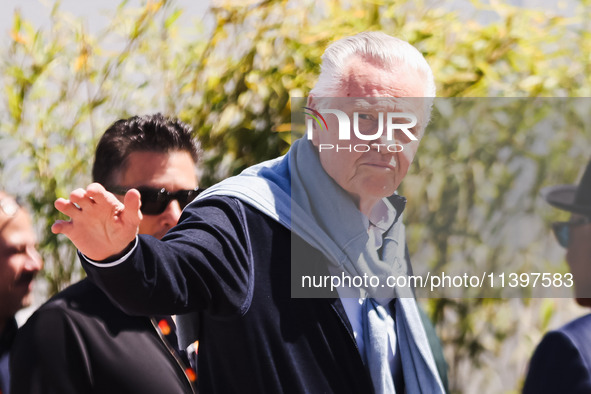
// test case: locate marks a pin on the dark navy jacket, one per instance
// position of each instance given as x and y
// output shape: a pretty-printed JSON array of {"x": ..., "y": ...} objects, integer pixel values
[
  {"x": 562, "y": 361},
  {"x": 234, "y": 264}
]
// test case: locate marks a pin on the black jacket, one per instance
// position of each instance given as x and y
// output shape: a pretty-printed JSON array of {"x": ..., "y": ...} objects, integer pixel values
[
  {"x": 234, "y": 263},
  {"x": 6, "y": 339},
  {"x": 79, "y": 342}
]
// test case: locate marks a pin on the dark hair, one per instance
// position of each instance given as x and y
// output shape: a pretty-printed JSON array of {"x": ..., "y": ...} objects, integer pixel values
[{"x": 148, "y": 133}]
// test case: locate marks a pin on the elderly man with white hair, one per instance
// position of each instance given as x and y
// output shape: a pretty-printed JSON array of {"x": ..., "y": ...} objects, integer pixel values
[{"x": 330, "y": 212}]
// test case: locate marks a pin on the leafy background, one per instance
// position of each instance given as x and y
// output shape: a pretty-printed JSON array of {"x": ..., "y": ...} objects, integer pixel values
[{"x": 232, "y": 78}]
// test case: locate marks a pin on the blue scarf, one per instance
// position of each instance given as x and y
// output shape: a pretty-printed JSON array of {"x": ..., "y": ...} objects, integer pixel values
[{"x": 295, "y": 191}]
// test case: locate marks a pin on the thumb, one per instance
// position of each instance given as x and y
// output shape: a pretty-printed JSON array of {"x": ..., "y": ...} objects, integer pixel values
[{"x": 132, "y": 202}]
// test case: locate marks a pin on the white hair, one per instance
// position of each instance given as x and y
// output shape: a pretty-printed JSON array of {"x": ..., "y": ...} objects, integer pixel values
[{"x": 388, "y": 51}]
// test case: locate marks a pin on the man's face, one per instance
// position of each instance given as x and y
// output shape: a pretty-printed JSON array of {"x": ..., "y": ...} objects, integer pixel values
[
  {"x": 370, "y": 176},
  {"x": 19, "y": 263},
  {"x": 578, "y": 256},
  {"x": 173, "y": 171}
]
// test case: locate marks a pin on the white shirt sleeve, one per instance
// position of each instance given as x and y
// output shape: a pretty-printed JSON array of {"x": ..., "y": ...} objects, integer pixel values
[{"x": 112, "y": 263}]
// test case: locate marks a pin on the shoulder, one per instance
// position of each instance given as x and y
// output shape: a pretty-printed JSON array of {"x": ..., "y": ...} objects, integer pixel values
[
  {"x": 578, "y": 328},
  {"x": 79, "y": 306},
  {"x": 213, "y": 206},
  {"x": 50, "y": 325},
  {"x": 230, "y": 214},
  {"x": 561, "y": 362},
  {"x": 578, "y": 333},
  {"x": 79, "y": 313},
  {"x": 82, "y": 296},
  {"x": 221, "y": 215}
]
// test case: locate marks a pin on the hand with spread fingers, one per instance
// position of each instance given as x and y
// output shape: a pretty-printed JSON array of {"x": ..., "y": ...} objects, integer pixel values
[{"x": 100, "y": 226}]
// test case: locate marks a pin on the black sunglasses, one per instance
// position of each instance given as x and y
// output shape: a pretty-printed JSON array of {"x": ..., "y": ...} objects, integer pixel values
[
  {"x": 155, "y": 200},
  {"x": 562, "y": 229}
]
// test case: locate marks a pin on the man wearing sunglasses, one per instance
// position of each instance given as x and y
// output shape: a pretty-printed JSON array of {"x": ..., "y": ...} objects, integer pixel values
[
  {"x": 562, "y": 360},
  {"x": 79, "y": 341}
]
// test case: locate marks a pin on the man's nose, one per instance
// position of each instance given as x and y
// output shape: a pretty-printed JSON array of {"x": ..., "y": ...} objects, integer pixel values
[
  {"x": 171, "y": 214},
  {"x": 384, "y": 144},
  {"x": 34, "y": 261},
  {"x": 383, "y": 140}
]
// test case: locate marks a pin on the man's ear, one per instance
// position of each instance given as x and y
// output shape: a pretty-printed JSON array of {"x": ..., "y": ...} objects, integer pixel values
[{"x": 311, "y": 103}]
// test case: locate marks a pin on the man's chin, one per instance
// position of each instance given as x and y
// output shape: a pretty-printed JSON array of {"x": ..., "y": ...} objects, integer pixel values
[
  {"x": 160, "y": 234},
  {"x": 27, "y": 301},
  {"x": 380, "y": 192},
  {"x": 586, "y": 302},
  {"x": 17, "y": 305}
]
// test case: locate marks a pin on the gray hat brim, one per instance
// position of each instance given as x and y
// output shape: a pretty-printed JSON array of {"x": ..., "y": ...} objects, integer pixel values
[{"x": 563, "y": 197}]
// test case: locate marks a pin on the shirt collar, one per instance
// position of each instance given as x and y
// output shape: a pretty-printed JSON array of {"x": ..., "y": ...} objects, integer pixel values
[{"x": 385, "y": 213}]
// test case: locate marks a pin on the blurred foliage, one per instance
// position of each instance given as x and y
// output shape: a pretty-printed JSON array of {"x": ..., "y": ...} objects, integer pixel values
[{"x": 233, "y": 80}]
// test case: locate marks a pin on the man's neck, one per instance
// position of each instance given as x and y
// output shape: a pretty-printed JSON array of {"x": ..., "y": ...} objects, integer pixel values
[{"x": 367, "y": 205}]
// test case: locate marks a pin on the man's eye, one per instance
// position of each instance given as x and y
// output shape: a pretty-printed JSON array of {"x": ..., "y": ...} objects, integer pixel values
[
  {"x": 367, "y": 117},
  {"x": 12, "y": 250}
]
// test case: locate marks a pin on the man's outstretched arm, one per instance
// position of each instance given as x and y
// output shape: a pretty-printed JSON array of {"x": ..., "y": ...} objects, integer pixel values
[
  {"x": 100, "y": 226},
  {"x": 205, "y": 262}
]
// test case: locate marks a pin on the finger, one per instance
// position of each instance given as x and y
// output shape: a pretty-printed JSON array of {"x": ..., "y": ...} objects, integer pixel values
[
  {"x": 61, "y": 227},
  {"x": 100, "y": 195},
  {"x": 96, "y": 187},
  {"x": 66, "y": 207},
  {"x": 132, "y": 202},
  {"x": 80, "y": 198}
]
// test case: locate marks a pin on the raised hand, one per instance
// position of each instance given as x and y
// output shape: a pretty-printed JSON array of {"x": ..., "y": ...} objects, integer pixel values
[{"x": 100, "y": 226}]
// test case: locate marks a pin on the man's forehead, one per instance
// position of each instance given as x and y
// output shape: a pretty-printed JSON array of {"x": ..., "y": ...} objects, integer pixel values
[
  {"x": 8, "y": 206},
  {"x": 172, "y": 170},
  {"x": 371, "y": 78},
  {"x": 9, "y": 210},
  {"x": 380, "y": 104},
  {"x": 18, "y": 231},
  {"x": 383, "y": 107}
]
